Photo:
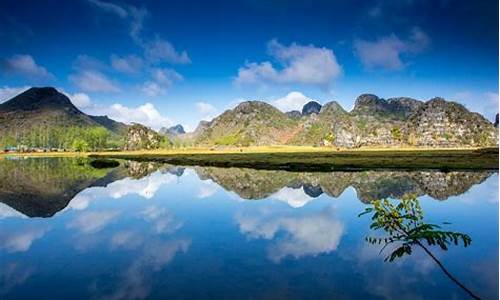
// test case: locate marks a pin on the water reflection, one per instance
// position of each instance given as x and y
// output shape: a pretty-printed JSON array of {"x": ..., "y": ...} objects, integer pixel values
[
  {"x": 154, "y": 231},
  {"x": 42, "y": 187},
  {"x": 299, "y": 235}
]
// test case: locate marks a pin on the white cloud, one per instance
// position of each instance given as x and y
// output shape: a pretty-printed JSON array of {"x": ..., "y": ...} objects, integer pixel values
[
  {"x": 160, "y": 50},
  {"x": 130, "y": 64},
  {"x": 299, "y": 64},
  {"x": 6, "y": 93},
  {"x": 292, "y": 101},
  {"x": 207, "y": 110},
  {"x": 133, "y": 15},
  {"x": 293, "y": 197},
  {"x": 93, "y": 81},
  {"x": 145, "y": 114},
  {"x": 207, "y": 189},
  {"x": 152, "y": 89},
  {"x": 156, "y": 50},
  {"x": 25, "y": 65},
  {"x": 485, "y": 103},
  {"x": 163, "y": 78},
  {"x": 386, "y": 52},
  {"x": 145, "y": 187},
  {"x": 8, "y": 212},
  {"x": 163, "y": 221},
  {"x": 93, "y": 221},
  {"x": 110, "y": 7},
  {"x": 80, "y": 100},
  {"x": 20, "y": 240},
  {"x": 293, "y": 234}
]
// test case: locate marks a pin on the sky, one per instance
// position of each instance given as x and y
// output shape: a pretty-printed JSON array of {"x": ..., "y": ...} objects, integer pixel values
[{"x": 161, "y": 63}]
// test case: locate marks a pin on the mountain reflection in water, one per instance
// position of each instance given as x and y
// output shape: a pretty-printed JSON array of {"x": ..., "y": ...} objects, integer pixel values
[
  {"x": 156, "y": 231},
  {"x": 42, "y": 187}
]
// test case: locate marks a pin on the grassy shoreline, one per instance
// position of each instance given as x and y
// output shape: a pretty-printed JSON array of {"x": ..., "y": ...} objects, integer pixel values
[{"x": 307, "y": 158}]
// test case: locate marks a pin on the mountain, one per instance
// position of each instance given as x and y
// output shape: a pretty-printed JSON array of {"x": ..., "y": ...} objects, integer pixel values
[
  {"x": 312, "y": 107},
  {"x": 38, "y": 116},
  {"x": 373, "y": 121},
  {"x": 249, "y": 123},
  {"x": 442, "y": 123},
  {"x": 141, "y": 137},
  {"x": 369, "y": 185},
  {"x": 110, "y": 124},
  {"x": 172, "y": 131}
]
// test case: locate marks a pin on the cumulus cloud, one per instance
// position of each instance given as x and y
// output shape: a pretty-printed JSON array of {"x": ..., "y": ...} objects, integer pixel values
[
  {"x": 6, "y": 92},
  {"x": 207, "y": 110},
  {"x": 145, "y": 187},
  {"x": 93, "y": 81},
  {"x": 293, "y": 234},
  {"x": 130, "y": 64},
  {"x": 292, "y": 101},
  {"x": 80, "y": 100},
  {"x": 387, "y": 52},
  {"x": 293, "y": 197},
  {"x": 145, "y": 114},
  {"x": 24, "y": 65},
  {"x": 297, "y": 64}
]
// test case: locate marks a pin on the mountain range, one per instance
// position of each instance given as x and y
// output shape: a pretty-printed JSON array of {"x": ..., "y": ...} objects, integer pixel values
[
  {"x": 43, "y": 188},
  {"x": 372, "y": 122},
  {"x": 39, "y": 114}
]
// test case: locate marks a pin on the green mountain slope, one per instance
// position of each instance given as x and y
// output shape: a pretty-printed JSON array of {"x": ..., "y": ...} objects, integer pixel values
[{"x": 44, "y": 117}]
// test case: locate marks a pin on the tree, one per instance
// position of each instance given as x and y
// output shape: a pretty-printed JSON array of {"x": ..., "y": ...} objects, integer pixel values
[
  {"x": 403, "y": 222},
  {"x": 80, "y": 145}
]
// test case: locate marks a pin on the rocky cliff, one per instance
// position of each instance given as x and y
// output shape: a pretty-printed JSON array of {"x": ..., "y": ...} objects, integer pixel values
[
  {"x": 141, "y": 137},
  {"x": 373, "y": 121}
]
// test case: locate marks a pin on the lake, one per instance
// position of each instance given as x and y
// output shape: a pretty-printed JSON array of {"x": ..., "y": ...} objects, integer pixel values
[{"x": 157, "y": 231}]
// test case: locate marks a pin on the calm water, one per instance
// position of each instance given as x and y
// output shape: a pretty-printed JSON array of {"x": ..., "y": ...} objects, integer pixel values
[{"x": 150, "y": 231}]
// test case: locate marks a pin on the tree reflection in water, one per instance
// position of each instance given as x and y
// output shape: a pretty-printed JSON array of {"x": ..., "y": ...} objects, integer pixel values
[{"x": 403, "y": 222}]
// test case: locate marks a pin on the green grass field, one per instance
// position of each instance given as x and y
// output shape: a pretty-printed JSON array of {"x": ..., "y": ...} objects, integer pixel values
[{"x": 323, "y": 160}]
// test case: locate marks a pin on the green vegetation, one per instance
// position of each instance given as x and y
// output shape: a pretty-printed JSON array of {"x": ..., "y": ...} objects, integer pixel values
[
  {"x": 39, "y": 187},
  {"x": 396, "y": 133},
  {"x": 403, "y": 223},
  {"x": 69, "y": 138},
  {"x": 330, "y": 160}
]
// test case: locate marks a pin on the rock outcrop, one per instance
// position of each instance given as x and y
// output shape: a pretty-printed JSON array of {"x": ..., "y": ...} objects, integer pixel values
[
  {"x": 172, "y": 131},
  {"x": 373, "y": 121},
  {"x": 141, "y": 137},
  {"x": 448, "y": 124},
  {"x": 312, "y": 107}
]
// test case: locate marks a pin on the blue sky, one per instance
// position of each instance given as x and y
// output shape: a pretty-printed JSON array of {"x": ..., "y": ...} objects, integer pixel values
[{"x": 161, "y": 63}]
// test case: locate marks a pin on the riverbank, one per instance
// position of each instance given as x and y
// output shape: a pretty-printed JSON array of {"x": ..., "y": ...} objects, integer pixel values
[{"x": 306, "y": 158}]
